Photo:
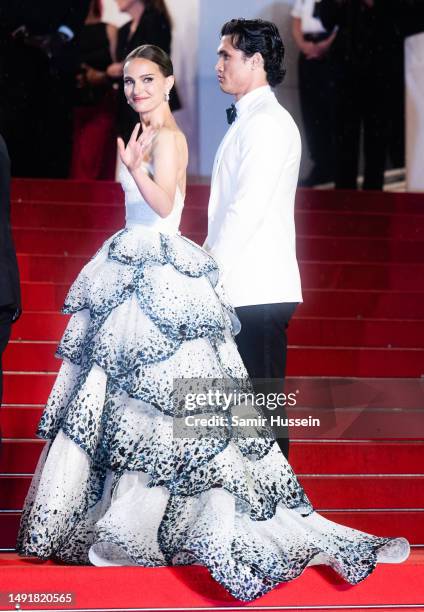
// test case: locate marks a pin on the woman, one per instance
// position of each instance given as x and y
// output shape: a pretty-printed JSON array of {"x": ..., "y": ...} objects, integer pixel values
[
  {"x": 94, "y": 148},
  {"x": 123, "y": 479},
  {"x": 150, "y": 24}
]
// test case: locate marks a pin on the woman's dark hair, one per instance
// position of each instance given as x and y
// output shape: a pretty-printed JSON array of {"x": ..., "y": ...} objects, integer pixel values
[
  {"x": 258, "y": 36},
  {"x": 160, "y": 6},
  {"x": 155, "y": 55}
]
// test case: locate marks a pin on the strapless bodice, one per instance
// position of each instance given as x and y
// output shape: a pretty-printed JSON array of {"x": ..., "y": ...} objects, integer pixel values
[{"x": 137, "y": 210}]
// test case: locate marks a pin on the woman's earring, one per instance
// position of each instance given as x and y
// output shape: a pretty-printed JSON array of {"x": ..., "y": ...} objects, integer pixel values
[{"x": 167, "y": 96}]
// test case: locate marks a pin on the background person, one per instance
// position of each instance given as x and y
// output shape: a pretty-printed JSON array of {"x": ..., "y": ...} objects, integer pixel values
[
  {"x": 10, "y": 294},
  {"x": 94, "y": 141},
  {"x": 150, "y": 24},
  {"x": 316, "y": 90},
  {"x": 362, "y": 55},
  {"x": 38, "y": 60}
]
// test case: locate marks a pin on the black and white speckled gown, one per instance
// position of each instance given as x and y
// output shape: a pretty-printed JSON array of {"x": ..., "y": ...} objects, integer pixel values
[{"x": 113, "y": 486}]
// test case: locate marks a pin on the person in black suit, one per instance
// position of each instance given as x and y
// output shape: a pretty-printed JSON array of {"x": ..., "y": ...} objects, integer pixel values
[
  {"x": 363, "y": 55},
  {"x": 10, "y": 295},
  {"x": 38, "y": 60},
  {"x": 150, "y": 25}
]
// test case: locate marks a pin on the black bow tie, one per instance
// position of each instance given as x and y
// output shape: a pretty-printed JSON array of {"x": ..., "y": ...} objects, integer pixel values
[{"x": 231, "y": 113}]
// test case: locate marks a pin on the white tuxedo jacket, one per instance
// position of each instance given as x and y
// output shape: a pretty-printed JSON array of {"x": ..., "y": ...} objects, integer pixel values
[{"x": 251, "y": 230}]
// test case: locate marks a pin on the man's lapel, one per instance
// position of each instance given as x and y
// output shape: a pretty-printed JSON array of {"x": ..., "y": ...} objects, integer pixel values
[
  {"x": 224, "y": 143},
  {"x": 233, "y": 129},
  {"x": 213, "y": 200}
]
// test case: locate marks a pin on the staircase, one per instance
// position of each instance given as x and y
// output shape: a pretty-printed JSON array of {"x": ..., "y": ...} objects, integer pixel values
[{"x": 362, "y": 266}]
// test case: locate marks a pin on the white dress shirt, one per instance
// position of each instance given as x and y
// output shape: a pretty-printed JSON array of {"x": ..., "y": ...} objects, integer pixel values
[
  {"x": 251, "y": 230},
  {"x": 304, "y": 10}
]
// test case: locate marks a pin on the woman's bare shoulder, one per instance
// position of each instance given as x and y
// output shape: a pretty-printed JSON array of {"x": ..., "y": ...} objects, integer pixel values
[{"x": 170, "y": 136}]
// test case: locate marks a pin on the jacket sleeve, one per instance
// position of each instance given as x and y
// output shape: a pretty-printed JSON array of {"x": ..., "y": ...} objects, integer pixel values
[
  {"x": 266, "y": 148},
  {"x": 10, "y": 294}
]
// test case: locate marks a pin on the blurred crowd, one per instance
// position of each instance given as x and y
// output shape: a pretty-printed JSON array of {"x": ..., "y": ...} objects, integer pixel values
[
  {"x": 61, "y": 67},
  {"x": 62, "y": 105},
  {"x": 351, "y": 85}
]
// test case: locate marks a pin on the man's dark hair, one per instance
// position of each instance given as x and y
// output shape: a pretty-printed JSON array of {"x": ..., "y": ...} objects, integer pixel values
[{"x": 258, "y": 36}]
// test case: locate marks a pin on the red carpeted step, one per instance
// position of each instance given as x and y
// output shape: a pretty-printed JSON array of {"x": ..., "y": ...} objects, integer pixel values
[
  {"x": 410, "y": 524},
  {"x": 106, "y": 193},
  {"x": 306, "y": 361},
  {"x": 306, "y": 457},
  {"x": 315, "y": 275},
  {"x": 361, "y": 304},
  {"x": 332, "y": 361},
  {"x": 359, "y": 201},
  {"x": 55, "y": 268},
  {"x": 27, "y": 388},
  {"x": 353, "y": 223},
  {"x": 309, "y": 223},
  {"x": 307, "y": 199},
  {"x": 40, "y": 326},
  {"x": 63, "y": 191},
  {"x": 350, "y": 275},
  {"x": 31, "y": 356},
  {"x": 317, "y": 331},
  {"x": 19, "y": 421},
  {"x": 39, "y": 296},
  {"x": 330, "y": 492},
  {"x": 311, "y": 248},
  {"x": 193, "y": 588},
  {"x": 40, "y": 215},
  {"x": 33, "y": 388}
]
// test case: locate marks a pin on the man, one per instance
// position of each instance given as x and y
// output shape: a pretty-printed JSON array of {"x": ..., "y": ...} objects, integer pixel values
[
  {"x": 10, "y": 297},
  {"x": 38, "y": 60},
  {"x": 368, "y": 85},
  {"x": 251, "y": 229},
  {"x": 316, "y": 90}
]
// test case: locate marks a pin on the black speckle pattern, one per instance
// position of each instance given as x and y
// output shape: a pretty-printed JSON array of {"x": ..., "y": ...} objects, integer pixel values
[{"x": 115, "y": 486}]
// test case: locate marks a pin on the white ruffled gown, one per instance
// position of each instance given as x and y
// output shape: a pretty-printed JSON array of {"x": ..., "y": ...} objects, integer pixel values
[{"x": 114, "y": 486}]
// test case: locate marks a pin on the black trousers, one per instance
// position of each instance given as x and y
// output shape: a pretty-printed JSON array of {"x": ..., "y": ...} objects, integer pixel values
[
  {"x": 5, "y": 326},
  {"x": 362, "y": 102},
  {"x": 316, "y": 92},
  {"x": 262, "y": 343}
]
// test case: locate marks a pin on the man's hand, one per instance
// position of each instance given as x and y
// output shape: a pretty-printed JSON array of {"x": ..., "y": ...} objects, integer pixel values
[{"x": 310, "y": 49}]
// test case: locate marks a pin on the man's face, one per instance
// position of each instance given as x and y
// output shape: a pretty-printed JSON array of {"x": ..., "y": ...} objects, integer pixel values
[{"x": 234, "y": 69}]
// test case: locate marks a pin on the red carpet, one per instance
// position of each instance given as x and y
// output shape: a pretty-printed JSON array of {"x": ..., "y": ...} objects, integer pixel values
[
  {"x": 193, "y": 588},
  {"x": 362, "y": 266}
]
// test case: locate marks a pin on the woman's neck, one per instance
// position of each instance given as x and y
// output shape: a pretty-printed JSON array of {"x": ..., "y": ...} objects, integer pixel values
[
  {"x": 158, "y": 118},
  {"x": 136, "y": 11}
]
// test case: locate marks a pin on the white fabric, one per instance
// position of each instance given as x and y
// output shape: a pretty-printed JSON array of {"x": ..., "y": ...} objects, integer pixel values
[
  {"x": 304, "y": 10},
  {"x": 139, "y": 213},
  {"x": 251, "y": 229},
  {"x": 414, "y": 76}
]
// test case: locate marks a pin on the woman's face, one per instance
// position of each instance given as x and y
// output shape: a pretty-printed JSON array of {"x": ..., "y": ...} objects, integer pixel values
[
  {"x": 145, "y": 86},
  {"x": 124, "y": 5}
]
